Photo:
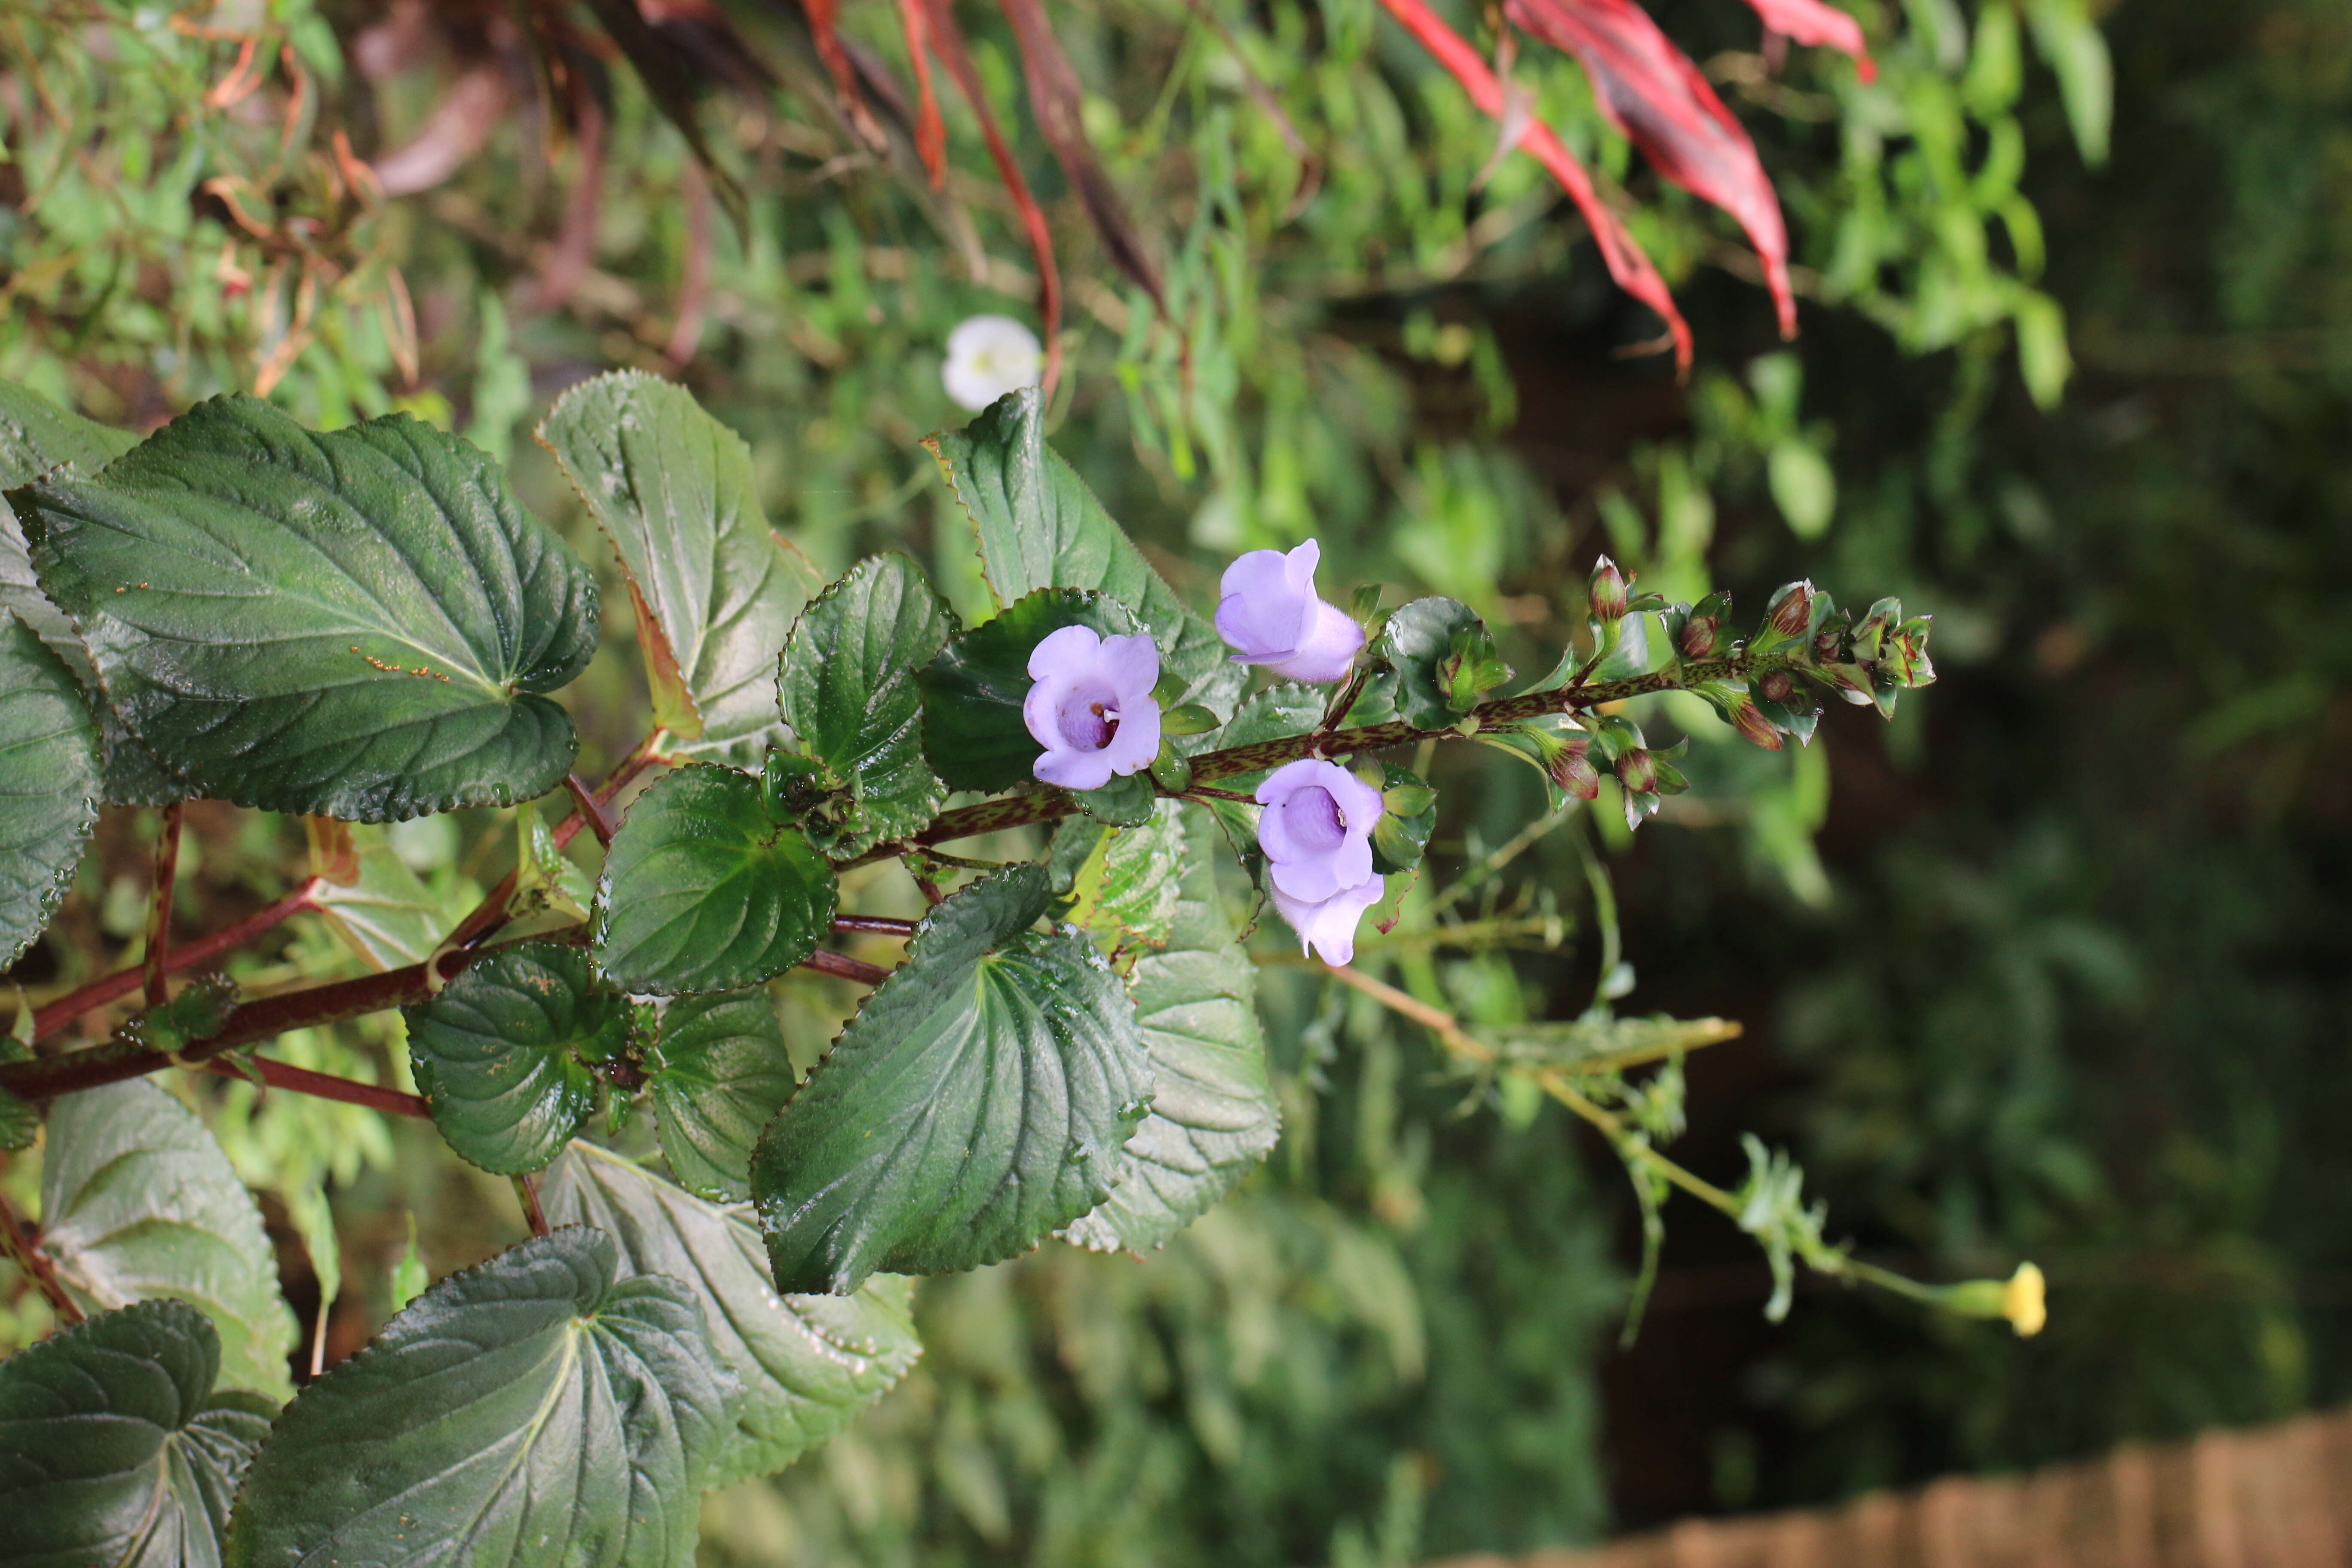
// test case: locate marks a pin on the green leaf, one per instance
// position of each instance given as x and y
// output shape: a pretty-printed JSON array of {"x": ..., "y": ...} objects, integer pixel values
[
  {"x": 1127, "y": 885},
  {"x": 114, "y": 1448},
  {"x": 714, "y": 590},
  {"x": 139, "y": 1202},
  {"x": 1436, "y": 646},
  {"x": 808, "y": 1363},
  {"x": 719, "y": 1073},
  {"x": 36, "y": 436},
  {"x": 1040, "y": 527},
  {"x": 1401, "y": 834},
  {"x": 703, "y": 891},
  {"x": 1214, "y": 1114},
  {"x": 529, "y": 1412},
  {"x": 975, "y": 1104},
  {"x": 385, "y": 914},
  {"x": 352, "y": 624},
  {"x": 972, "y": 729},
  {"x": 848, "y": 690},
  {"x": 502, "y": 1053},
  {"x": 48, "y": 784},
  {"x": 1123, "y": 803}
]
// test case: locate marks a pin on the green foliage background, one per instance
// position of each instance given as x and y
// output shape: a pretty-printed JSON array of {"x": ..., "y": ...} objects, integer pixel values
[{"x": 2063, "y": 975}]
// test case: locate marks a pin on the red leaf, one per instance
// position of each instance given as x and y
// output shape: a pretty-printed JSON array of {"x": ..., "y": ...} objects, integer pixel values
[
  {"x": 946, "y": 40},
  {"x": 1627, "y": 263},
  {"x": 1652, "y": 91},
  {"x": 820, "y": 15},
  {"x": 1813, "y": 22},
  {"x": 930, "y": 131}
]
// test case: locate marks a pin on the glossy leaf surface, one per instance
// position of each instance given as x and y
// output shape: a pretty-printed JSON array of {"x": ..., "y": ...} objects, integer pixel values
[
  {"x": 533, "y": 1412},
  {"x": 1418, "y": 641},
  {"x": 849, "y": 692},
  {"x": 114, "y": 1448},
  {"x": 49, "y": 784},
  {"x": 502, "y": 1054},
  {"x": 354, "y": 623},
  {"x": 808, "y": 1363},
  {"x": 1126, "y": 881},
  {"x": 720, "y": 1074},
  {"x": 972, "y": 729},
  {"x": 715, "y": 592},
  {"x": 703, "y": 891},
  {"x": 976, "y": 1103}
]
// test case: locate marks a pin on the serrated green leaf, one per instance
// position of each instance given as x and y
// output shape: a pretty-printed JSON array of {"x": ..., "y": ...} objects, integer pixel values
[
  {"x": 808, "y": 1363},
  {"x": 354, "y": 623},
  {"x": 674, "y": 490},
  {"x": 387, "y": 916},
  {"x": 720, "y": 1074},
  {"x": 703, "y": 891},
  {"x": 501, "y": 1054},
  {"x": 137, "y": 1203},
  {"x": 1040, "y": 527},
  {"x": 1123, "y": 803},
  {"x": 1127, "y": 885},
  {"x": 849, "y": 692},
  {"x": 529, "y": 1412},
  {"x": 114, "y": 1448},
  {"x": 976, "y": 1103},
  {"x": 48, "y": 784},
  {"x": 1418, "y": 642},
  {"x": 1214, "y": 1115},
  {"x": 972, "y": 729}
]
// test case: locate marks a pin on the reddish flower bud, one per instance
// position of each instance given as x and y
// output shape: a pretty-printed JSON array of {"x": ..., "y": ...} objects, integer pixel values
[
  {"x": 1793, "y": 612},
  {"x": 1606, "y": 590},
  {"x": 1753, "y": 726},
  {"x": 1698, "y": 637},
  {"x": 1573, "y": 771},
  {"x": 1636, "y": 771},
  {"x": 1778, "y": 686}
]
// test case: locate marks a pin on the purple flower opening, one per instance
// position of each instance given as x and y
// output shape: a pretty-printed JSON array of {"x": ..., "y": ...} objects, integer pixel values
[
  {"x": 1270, "y": 615},
  {"x": 1316, "y": 833},
  {"x": 1091, "y": 707}
]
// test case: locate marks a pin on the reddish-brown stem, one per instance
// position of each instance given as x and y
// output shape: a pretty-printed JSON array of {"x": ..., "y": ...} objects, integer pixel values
[
  {"x": 159, "y": 912},
  {"x": 21, "y": 1244},
  {"x": 527, "y": 1193},
  {"x": 590, "y": 807},
  {"x": 880, "y": 925},
  {"x": 325, "y": 1086},
  {"x": 491, "y": 912},
  {"x": 48, "y": 1020},
  {"x": 848, "y": 968},
  {"x": 1202, "y": 792}
]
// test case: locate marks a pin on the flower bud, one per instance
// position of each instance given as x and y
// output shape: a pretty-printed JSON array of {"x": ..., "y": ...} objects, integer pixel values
[
  {"x": 2019, "y": 1298},
  {"x": 1777, "y": 686},
  {"x": 1637, "y": 772},
  {"x": 1573, "y": 772},
  {"x": 1753, "y": 726},
  {"x": 1792, "y": 610},
  {"x": 1606, "y": 590},
  {"x": 1701, "y": 633}
]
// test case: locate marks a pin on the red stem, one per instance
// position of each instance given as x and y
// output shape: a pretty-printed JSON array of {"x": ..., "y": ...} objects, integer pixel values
[
  {"x": 527, "y": 1190},
  {"x": 848, "y": 968},
  {"x": 21, "y": 1244},
  {"x": 327, "y": 1086},
  {"x": 159, "y": 913},
  {"x": 590, "y": 807},
  {"x": 48, "y": 1020},
  {"x": 491, "y": 912},
  {"x": 880, "y": 925}
]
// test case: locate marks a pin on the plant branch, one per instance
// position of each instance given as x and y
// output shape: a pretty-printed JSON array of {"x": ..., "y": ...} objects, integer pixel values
[
  {"x": 588, "y": 808},
  {"x": 324, "y": 1086},
  {"x": 527, "y": 1193},
  {"x": 159, "y": 912},
  {"x": 48, "y": 1020},
  {"x": 878, "y": 925},
  {"x": 20, "y": 1244},
  {"x": 491, "y": 912},
  {"x": 846, "y": 967}
]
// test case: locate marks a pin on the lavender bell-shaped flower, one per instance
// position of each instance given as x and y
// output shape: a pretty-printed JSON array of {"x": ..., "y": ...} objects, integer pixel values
[
  {"x": 1317, "y": 832},
  {"x": 1271, "y": 615},
  {"x": 1092, "y": 707}
]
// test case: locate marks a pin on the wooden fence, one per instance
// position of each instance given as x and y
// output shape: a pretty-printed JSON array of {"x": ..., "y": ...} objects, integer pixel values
[{"x": 2272, "y": 1497}]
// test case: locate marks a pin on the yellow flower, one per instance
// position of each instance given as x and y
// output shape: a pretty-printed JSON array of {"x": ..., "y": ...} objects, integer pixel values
[{"x": 2021, "y": 1302}]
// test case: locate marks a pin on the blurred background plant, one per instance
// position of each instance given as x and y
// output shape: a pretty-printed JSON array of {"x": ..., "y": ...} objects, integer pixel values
[{"x": 2054, "y": 966}]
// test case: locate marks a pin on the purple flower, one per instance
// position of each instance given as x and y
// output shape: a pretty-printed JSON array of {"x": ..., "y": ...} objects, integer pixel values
[
  {"x": 1092, "y": 707},
  {"x": 1317, "y": 832},
  {"x": 1269, "y": 611}
]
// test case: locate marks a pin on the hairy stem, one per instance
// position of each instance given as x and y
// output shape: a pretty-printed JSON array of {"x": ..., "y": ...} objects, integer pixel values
[
  {"x": 159, "y": 912},
  {"x": 48, "y": 1020},
  {"x": 21, "y": 1244}
]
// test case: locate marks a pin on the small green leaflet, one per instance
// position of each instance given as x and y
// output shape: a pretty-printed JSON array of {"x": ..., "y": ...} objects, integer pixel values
[
  {"x": 1126, "y": 886},
  {"x": 137, "y": 1203},
  {"x": 808, "y": 1363},
  {"x": 1214, "y": 1115},
  {"x": 1040, "y": 527},
  {"x": 702, "y": 891},
  {"x": 529, "y": 1412},
  {"x": 1421, "y": 642},
  {"x": 847, "y": 686},
  {"x": 972, "y": 729},
  {"x": 114, "y": 1448},
  {"x": 976, "y": 1103},
  {"x": 354, "y": 623},
  {"x": 503, "y": 1054},
  {"x": 48, "y": 784},
  {"x": 714, "y": 591},
  {"x": 719, "y": 1074}
]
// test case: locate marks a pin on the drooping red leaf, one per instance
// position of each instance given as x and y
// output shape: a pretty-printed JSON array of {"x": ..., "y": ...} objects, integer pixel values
[
  {"x": 1813, "y": 22},
  {"x": 930, "y": 131},
  {"x": 1628, "y": 264},
  {"x": 1054, "y": 96},
  {"x": 822, "y": 25},
  {"x": 946, "y": 40},
  {"x": 1652, "y": 91}
]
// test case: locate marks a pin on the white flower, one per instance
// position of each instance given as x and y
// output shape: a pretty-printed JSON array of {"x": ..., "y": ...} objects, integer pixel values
[{"x": 989, "y": 356}]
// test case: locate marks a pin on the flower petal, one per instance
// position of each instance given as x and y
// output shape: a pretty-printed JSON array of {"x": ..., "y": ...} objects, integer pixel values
[
  {"x": 1067, "y": 654},
  {"x": 1328, "y": 925},
  {"x": 1137, "y": 742},
  {"x": 1327, "y": 649},
  {"x": 1074, "y": 769},
  {"x": 1132, "y": 663}
]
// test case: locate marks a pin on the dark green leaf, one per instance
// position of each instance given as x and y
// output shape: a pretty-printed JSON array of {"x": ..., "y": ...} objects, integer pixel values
[
  {"x": 344, "y": 623},
  {"x": 1040, "y": 527},
  {"x": 1123, "y": 801},
  {"x": 808, "y": 1363},
  {"x": 1629, "y": 654},
  {"x": 715, "y": 592},
  {"x": 1214, "y": 1114},
  {"x": 502, "y": 1054},
  {"x": 702, "y": 890},
  {"x": 1401, "y": 835},
  {"x": 972, "y": 729},
  {"x": 1435, "y": 647},
  {"x": 139, "y": 1202},
  {"x": 849, "y": 693},
  {"x": 721, "y": 1073},
  {"x": 36, "y": 436},
  {"x": 529, "y": 1412},
  {"x": 113, "y": 1447},
  {"x": 975, "y": 1104},
  {"x": 48, "y": 784}
]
